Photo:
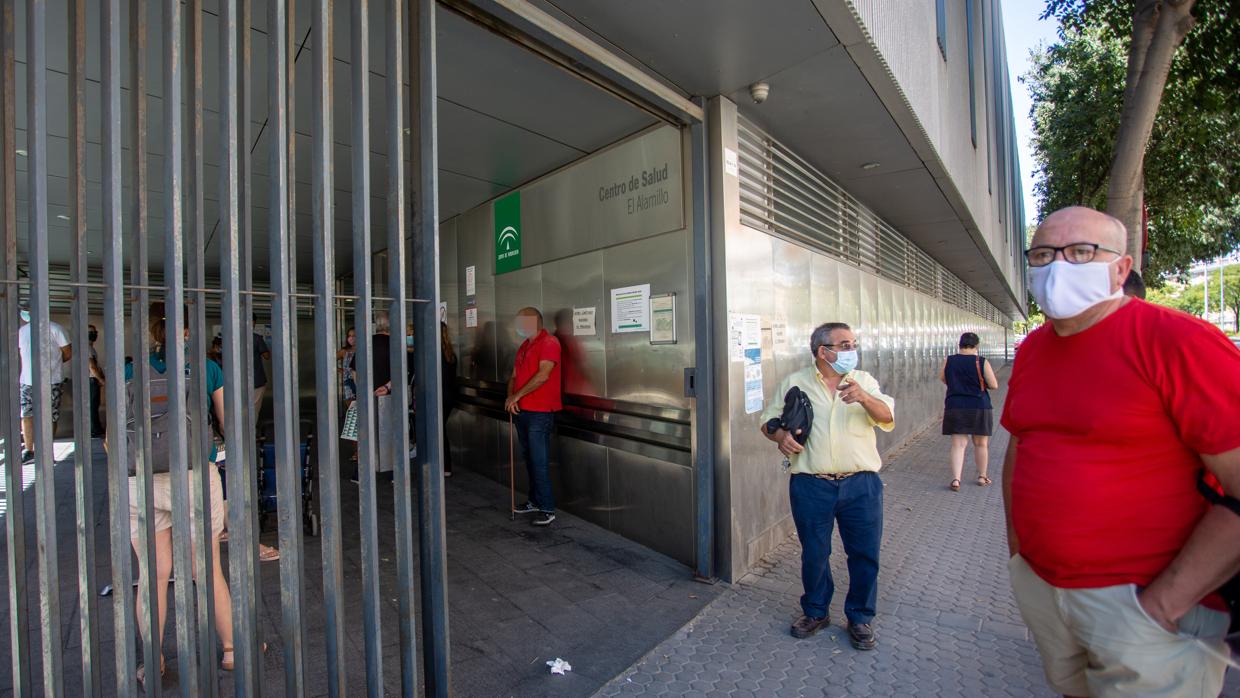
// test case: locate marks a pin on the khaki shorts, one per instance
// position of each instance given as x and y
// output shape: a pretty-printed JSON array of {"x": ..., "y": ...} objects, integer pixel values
[
  {"x": 1101, "y": 643},
  {"x": 162, "y": 484}
]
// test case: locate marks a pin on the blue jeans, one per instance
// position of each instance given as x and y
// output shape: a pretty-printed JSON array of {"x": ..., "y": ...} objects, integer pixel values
[
  {"x": 857, "y": 503},
  {"x": 534, "y": 432}
]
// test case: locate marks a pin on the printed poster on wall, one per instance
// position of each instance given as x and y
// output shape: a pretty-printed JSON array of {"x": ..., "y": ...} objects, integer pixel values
[
  {"x": 471, "y": 281},
  {"x": 471, "y": 317},
  {"x": 753, "y": 380},
  {"x": 630, "y": 309}
]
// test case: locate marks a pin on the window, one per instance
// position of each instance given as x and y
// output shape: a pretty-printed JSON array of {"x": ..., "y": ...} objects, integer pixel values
[
  {"x": 940, "y": 16},
  {"x": 968, "y": 27}
]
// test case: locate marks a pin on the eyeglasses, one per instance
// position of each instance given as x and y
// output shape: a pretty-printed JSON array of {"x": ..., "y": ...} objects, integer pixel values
[
  {"x": 844, "y": 346},
  {"x": 1075, "y": 253}
]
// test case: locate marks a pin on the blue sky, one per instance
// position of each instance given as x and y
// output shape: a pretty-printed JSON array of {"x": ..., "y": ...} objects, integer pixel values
[{"x": 1023, "y": 31}]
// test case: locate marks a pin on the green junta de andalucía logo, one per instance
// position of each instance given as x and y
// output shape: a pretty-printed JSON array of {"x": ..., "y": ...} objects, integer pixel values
[{"x": 508, "y": 233}]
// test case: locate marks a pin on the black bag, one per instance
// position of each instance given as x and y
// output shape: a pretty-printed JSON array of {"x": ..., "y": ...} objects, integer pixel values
[
  {"x": 797, "y": 418},
  {"x": 161, "y": 424}
]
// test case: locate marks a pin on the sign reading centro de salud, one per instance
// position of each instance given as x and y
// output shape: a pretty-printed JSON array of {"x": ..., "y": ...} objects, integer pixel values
[{"x": 508, "y": 233}]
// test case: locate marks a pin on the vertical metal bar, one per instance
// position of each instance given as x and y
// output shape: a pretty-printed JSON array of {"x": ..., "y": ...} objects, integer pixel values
[
  {"x": 397, "y": 290},
  {"x": 323, "y": 171},
  {"x": 15, "y": 519},
  {"x": 359, "y": 64},
  {"x": 41, "y": 337},
  {"x": 236, "y": 351},
  {"x": 113, "y": 332},
  {"x": 704, "y": 348},
  {"x": 247, "y": 483},
  {"x": 148, "y": 623},
  {"x": 83, "y": 471},
  {"x": 431, "y": 522},
  {"x": 288, "y": 475},
  {"x": 174, "y": 349},
  {"x": 200, "y": 431}
]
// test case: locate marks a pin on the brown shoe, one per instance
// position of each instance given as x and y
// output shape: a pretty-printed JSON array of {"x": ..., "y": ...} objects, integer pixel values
[
  {"x": 808, "y": 627},
  {"x": 862, "y": 637}
]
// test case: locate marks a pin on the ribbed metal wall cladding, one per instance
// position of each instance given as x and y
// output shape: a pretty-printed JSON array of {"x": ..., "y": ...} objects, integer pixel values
[{"x": 784, "y": 195}]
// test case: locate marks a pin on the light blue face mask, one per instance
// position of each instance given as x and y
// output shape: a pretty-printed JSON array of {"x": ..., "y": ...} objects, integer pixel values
[
  {"x": 845, "y": 361},
  {"x": 25, "y": 315},
  {"x": 409, "y": 341}
]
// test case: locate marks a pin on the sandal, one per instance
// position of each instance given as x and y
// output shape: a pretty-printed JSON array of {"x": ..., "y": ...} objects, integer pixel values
[
  {"x": 955, "y": 486},
  {"x": 229, "y": 661},
  {"x": 266, "y": 553},
  {"x": 982, "y": 481}
]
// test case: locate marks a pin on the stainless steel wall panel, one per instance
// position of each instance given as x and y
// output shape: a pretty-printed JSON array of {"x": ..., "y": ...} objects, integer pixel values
[
  {"x": 824, "y": 291},
  {"x": 475, "y": 244},
  {"x": 791, "y": 282},
  {"x": 513, "y": 291},
  {"x": 849, "y": 308},
  {"x": 638, "y": 371},
  {"x": 651, "y": 502},
  {"x": 577, "y": 282},
  {"x": 582, "y": 482}
]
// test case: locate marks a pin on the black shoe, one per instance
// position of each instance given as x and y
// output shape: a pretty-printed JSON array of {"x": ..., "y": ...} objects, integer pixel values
[
  {"x": 27, "y": 456},
  {"x": 544, "y": 518},
  {"x": 527, "y": 508},
  {"x": 809, "y": 627},
  {"x": 862, "y": 636}
]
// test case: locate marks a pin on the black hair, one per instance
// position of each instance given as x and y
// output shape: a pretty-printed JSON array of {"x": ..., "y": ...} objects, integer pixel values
[{"x": 969, "y": 340}]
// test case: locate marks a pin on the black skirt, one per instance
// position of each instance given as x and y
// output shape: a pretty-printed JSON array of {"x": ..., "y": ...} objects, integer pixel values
[{"x": 967, "y": 421}]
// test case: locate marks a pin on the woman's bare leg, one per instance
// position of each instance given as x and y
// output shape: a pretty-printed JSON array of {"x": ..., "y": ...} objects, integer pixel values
[
  {"x": 981, "y": 454},
  {"x": 163, "y": 571},
  {"x": 959, "y": 443}
]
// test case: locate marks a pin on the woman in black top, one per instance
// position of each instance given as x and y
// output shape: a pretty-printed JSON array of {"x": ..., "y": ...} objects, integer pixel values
[
  {"x": 447, "y": 390},
  {"x": 967, "y": 410}
]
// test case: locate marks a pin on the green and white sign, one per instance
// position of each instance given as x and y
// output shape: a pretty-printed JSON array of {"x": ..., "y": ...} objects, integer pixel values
[{"x": 508, "y": 233}]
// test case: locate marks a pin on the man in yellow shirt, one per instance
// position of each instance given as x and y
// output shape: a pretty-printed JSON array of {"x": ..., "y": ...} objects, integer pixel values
[{"x": 835, "y": 478}]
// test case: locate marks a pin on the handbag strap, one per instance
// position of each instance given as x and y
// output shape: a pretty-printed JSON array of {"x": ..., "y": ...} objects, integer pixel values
[{"x": 981, "y": 382}]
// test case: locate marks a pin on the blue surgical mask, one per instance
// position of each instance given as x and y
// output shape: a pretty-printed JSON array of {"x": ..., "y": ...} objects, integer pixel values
[
  {"x": 409, "y": 341},
  {"x": 845, "y": 361},
  {"x": 524, "y": 332},
  {"x": 25, "y": 315}
]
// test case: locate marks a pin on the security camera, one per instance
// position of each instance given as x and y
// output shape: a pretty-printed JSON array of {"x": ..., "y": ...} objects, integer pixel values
[{"x": 759, "y": 92}]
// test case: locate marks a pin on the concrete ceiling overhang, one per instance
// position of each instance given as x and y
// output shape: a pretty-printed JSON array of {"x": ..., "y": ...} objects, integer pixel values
[
  {"x": 833, "y": 101},
  {"x": 506, "y": 116}
]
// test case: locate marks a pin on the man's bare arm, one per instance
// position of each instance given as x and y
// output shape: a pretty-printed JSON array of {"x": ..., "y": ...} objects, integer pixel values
[
  {"x": 1009, "y": 469},
  {"x": 1207, "y": 560}
]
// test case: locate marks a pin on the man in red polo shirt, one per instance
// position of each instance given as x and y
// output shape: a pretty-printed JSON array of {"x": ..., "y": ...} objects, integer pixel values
[
  {"x": 1114, "y": 406},
  {"x": 534, "y": 398}
]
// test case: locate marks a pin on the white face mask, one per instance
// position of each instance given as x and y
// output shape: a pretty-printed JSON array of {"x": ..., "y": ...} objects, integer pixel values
[{"x": 1065, "y": 290}]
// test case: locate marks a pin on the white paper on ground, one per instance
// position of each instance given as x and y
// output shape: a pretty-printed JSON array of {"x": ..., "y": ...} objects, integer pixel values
[{"x": 559, "y": 666}]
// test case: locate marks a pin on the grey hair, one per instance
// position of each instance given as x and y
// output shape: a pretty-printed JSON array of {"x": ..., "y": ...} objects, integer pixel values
[
  {"x": 822, "y": 335},
  {"x": 382, "y": 325}
]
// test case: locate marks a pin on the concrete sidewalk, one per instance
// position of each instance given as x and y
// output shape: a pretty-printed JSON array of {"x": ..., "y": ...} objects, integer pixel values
[{"x": 947, "y": 624}]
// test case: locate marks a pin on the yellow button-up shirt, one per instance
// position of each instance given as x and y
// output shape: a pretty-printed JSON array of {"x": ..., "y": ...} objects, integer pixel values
[{"x": 842, "y": 438}]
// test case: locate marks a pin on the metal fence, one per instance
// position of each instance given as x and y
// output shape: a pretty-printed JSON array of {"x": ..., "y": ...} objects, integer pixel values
[{"x": 184, "y": 290}]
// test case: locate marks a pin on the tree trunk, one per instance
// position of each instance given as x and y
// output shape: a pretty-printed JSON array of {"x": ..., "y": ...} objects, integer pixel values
[{"x": 1159, "y": 27}]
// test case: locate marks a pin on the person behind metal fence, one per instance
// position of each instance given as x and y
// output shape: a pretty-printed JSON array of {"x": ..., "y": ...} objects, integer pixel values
[
  {"x": 967, "y": 411},
  {"x": 96, "y": 385},
  {"x": 56, "y": 355},
  {"x": 161, "y": 506},
  {"x": 835, "y": 478},
  {"x": 534, "y": 397},
  {"x": 1114, "y": 407}
]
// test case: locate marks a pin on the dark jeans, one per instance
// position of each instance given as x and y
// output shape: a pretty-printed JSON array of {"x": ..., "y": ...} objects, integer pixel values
[
  {"x": 534, "y": 432},
  {"x": 96, "y": 426},
  {"x": 857, "y": 503}
]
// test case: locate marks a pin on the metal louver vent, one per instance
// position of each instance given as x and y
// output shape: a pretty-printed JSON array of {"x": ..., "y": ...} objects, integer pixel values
[{"x": 784, "y": 195}]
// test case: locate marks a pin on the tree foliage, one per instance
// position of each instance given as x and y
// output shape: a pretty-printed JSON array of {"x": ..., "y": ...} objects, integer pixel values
[
  {"x": 1190, "y": 297},
  {"x": 1192, "y": 165}
]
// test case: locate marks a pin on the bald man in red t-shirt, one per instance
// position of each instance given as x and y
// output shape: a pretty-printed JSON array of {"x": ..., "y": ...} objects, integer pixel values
[
  {"x": 1115, "y": 406},
  {"x": 533, "y": 399}
]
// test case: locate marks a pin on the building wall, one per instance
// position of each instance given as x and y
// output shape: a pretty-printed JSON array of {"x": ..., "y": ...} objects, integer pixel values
[{"x": 986, "y": 173}]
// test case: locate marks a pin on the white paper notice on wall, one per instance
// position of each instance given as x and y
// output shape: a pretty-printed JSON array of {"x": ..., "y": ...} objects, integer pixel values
[
  {"x": 751, "y": 332},
  {"x": 471, "y": 317},
  {"x": 779, "y": 333},
  {"x": 584, "y": 322},
  {"x": 730, "y": 164},
  {"x": 471, "y": 281},
  {"x": 443, "y": 311},
  {"x": 744, "y": 333},
  {"x": 630, "y": 309}
]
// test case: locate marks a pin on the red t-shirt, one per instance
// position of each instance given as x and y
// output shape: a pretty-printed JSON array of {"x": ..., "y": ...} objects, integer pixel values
[
  {"x": 541, "y": 347},
  {"x": 1110, "y": 423}
]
